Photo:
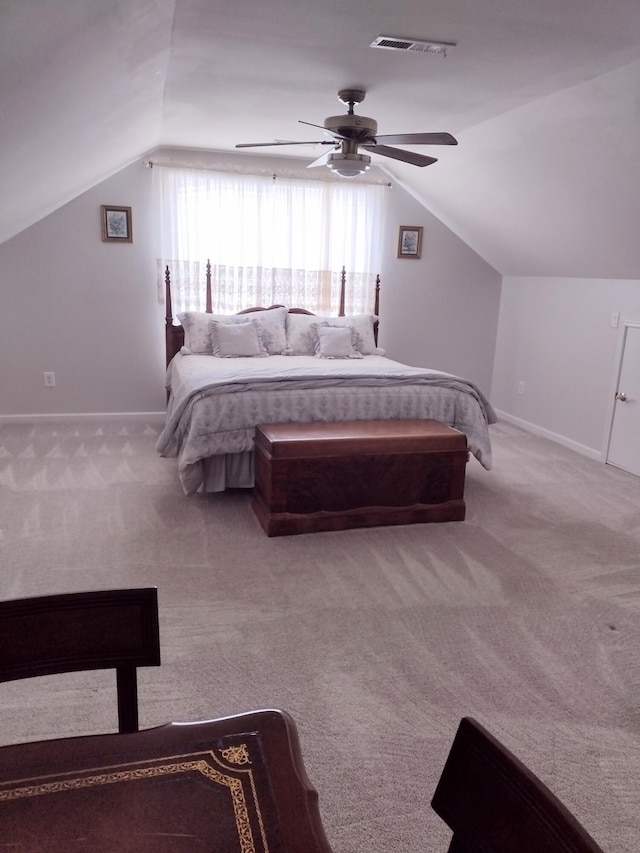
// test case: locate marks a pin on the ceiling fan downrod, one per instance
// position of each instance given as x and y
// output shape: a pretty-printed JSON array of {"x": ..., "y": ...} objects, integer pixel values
[{"x": 351, "y": 97}]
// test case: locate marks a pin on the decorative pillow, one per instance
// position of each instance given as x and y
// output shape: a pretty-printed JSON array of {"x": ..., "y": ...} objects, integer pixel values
[
  {"x": 234, "y": 340},
  {"x": 271, "y": 325},
  {"x": 362, "y": 325},
  {"x": 197, "y": 328},
  {"x": 335, "y": 342},
  {"x": 301, "y": 338}
]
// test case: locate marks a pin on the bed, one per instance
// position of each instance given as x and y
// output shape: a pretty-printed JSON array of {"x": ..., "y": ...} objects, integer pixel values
[{"x": 227, "y": 374}]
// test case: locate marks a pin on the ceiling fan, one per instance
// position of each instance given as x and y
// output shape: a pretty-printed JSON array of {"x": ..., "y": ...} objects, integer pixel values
[{"x": 350, "y": 132}]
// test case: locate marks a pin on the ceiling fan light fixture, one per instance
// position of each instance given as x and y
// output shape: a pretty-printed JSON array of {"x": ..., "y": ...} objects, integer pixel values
[{"x": 349, "y": 165}]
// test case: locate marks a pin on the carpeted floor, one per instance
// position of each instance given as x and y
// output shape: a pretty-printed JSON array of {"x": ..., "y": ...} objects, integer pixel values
[{"x": 526, "y": 616}]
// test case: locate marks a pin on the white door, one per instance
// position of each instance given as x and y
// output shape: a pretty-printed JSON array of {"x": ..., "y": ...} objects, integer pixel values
[{"x": 624, "y": 443}]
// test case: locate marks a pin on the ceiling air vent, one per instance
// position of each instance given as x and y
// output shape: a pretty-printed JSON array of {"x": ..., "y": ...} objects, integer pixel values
[{"x": 436, "y": 48}]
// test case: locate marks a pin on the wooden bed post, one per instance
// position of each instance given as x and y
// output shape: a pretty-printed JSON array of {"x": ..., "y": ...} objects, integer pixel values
[
  {"x": 343, "y": 279},
  {"x": 174, "y": 335},
  {"x": 168, "y": 318},
  {"x": 376, "y": 309},
  {"x": 209, "y": 308}
]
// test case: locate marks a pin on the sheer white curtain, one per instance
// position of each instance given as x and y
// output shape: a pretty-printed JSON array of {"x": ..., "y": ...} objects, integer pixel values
[{"x": 269, "y": 240}]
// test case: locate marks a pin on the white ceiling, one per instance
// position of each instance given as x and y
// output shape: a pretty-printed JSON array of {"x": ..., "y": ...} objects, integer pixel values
[{"x": 543, "y": 97}]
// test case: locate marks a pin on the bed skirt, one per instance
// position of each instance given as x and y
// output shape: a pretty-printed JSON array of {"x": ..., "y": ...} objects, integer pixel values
[{"x": 229, "y": 471}]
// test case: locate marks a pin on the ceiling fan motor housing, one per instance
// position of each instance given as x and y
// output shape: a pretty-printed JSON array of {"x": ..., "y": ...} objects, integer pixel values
[{"x": 352, "y": 127}]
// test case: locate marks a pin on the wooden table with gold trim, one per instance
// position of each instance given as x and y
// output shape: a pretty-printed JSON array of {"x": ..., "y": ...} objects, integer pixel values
[{"x": 233, "y": 784}]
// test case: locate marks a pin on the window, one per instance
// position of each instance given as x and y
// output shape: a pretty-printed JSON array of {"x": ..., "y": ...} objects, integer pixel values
[{"x": 269, "y": 240}]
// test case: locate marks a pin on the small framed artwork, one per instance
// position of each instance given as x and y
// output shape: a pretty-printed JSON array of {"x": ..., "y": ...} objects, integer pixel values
[
  {"x": 116, "y": 224},
  {"x": 410, "y": 241}
]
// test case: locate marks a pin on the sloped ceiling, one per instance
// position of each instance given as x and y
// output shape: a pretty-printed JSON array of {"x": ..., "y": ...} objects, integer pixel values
[{"x": 544, "y": 99}]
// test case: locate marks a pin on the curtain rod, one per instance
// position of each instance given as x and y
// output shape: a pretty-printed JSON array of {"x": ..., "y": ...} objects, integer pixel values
[{"x": 150, "y": 164}]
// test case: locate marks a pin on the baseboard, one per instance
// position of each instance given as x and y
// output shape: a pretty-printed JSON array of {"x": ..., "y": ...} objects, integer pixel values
[
  {"x": 552, "y": 436},
  {"x": 156, "y": 418}
]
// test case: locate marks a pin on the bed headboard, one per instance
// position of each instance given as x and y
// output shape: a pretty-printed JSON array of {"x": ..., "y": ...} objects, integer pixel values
[{"x": 174, "y": 333}]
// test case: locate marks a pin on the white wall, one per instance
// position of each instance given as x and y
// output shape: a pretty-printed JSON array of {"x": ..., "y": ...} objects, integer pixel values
[
  {"x": 555, "y": 335},
  {"x": 440, "y": 311},
  {"x": 88, "y": 310},
  {"x": 82, "y": 308}
]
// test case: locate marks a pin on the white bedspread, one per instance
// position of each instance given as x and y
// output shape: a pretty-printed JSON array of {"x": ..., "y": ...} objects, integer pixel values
[{"x": 216, "y": 403}]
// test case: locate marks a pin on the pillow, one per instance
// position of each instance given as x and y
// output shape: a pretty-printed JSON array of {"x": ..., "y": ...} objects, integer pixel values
[
  {"x": 197, "y": 328},
  {"x": 234, "y": 340},
  {"x": 271, "y": 328},
  {"x": 362, "y": 325},
  {"x": 301, "y": 338},
  {"x": 335, "y": 342}
]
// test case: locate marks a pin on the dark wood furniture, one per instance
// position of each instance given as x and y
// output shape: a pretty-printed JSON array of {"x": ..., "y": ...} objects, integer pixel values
[
  {"x": 174, "y": 333},
  {"x": 236, "y": 785},
  {"x": 108, "y": 629},
  {"x": 492, "y": 802},
  {"x": 333, "y": 476}
]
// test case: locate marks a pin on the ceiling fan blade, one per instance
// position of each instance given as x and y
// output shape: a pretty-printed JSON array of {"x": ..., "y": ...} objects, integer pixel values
[
  {"x": 322, "y": 160},
  {"x": 264, "y": 144},
  {"x": 322, "y": 127},
  {"x": 399, "y": 154},
  {"x": 418, "y": 139}
]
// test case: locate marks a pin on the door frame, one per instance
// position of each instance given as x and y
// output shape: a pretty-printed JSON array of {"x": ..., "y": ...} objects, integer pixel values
[{"x": 625, "y": 325}]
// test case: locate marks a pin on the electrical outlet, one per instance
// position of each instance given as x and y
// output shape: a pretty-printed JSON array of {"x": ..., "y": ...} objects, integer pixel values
[
  {"x": 520, "y": 387},
  {"x": 49, "y": 379}
]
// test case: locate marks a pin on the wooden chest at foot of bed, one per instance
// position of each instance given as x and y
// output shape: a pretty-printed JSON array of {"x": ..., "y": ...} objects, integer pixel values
[{"x": 334, "y": 476}]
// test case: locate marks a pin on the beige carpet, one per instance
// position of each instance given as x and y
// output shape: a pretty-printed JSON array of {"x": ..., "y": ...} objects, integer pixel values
[{"x": 525, "y": 616}]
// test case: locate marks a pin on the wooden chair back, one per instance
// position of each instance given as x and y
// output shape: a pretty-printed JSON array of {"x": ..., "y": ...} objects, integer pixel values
[
  {"x": 111, "y": 629},
  {"x": 494, "y": 804}
]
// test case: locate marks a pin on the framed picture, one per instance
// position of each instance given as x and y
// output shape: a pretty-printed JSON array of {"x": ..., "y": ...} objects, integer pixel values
[
  {"x": 410, "y": 241},
  {"x": 116, "y": 224}
]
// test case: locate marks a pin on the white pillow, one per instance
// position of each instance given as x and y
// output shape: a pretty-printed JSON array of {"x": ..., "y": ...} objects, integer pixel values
[
  {"x": 235, "y": 340},
  {"x": 335, "y": 342},
  {"x": 197, "y": 328},
  {"x": 362, "y": 325},
  {"x": 301, "y": 338},
  {"x": 272, "y": 329}
]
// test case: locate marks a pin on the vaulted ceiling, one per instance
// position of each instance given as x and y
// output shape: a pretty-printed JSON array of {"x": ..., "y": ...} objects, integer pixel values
[{"x": 543, "y": 97}]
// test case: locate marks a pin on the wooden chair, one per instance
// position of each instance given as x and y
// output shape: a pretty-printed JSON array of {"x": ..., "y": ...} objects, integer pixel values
[
  {"x": 492, "y": 802},
  {"x": 83, "y": 631},
  {"x": 231, "y": 784}
]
